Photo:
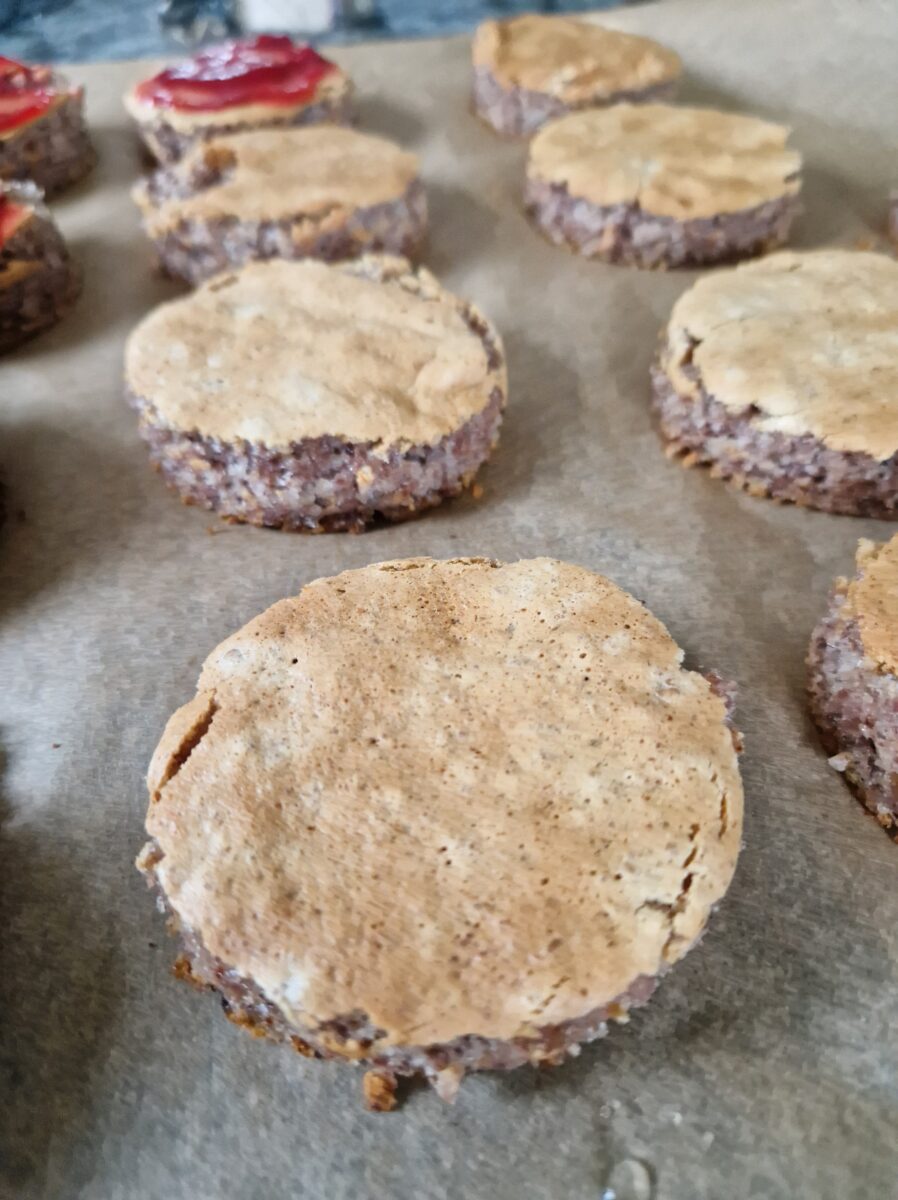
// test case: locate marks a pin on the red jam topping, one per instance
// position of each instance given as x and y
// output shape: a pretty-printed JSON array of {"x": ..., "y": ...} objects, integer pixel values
[
  {"x": 25, "y": 93},
  {"x": 264, "y": 70},
  {"x": 11, "y": 217}
]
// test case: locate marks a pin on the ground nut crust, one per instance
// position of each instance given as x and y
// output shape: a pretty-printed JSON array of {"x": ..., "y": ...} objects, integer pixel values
[
  {"x": 797, "y": 469},
  {"x": 330, "y": 482},
  {"x": 197, "y": 249},
  {"x": 625, "y": 234},
  {"x": 54, "y": 151},
  {"x": 38, "y": 281},
  {"x": 519, "y": 112},
  {"x": 855, "y": 706},
  {"x": 168, "y": 145},
  {"x": 320, "y": 484}
]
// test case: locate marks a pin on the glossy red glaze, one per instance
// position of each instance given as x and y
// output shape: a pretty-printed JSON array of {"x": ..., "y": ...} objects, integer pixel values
[
  {"x": 11, "y": 217},
  {"x": 263, "y": 70},
  {"x": 25, "y": 93}
]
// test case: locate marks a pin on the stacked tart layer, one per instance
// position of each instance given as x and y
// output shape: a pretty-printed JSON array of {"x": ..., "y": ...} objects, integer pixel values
[
  {"x": 654, "y": 185},
  {"x": 285, "y": 192},
  {"x": 782, "y": 376},
  {"x": 308, "y": 396}
]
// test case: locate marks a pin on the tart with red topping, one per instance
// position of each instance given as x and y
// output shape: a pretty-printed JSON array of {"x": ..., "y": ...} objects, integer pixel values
[
  {"x": 237, "y": 85},
  {"x": 38, "y": 280},
  {"x": 12, "y": 216},
  {"x": 42, "y": 132}
]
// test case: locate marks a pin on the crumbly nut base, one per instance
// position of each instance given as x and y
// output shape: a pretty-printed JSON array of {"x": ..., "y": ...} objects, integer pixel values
[
  {"x": 352, "y": 1037},
  {"x": 53, "y": 151},
  {"x": 855, "y": 706},
  {"x": 624, "y": 234},
  {"x": 319, "y": 485},
  {"x": 195, "y": 250},
  {"x": 700, "y": 431},
  {"x": 519, "y": 112}
]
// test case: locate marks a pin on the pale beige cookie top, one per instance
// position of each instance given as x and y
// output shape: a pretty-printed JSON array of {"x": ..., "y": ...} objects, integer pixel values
[
  {"x": 323, "y": 172},
  {"x": 463, "y": 797},
  {"x": 872, "y": 598},
  {"x": 367, "y": 351},
  {"x": 672, "y": 162},
  {"x": 575, "y": 61},
  {"x": 811, "y": 340},
  {"x": 333, "y": 86}
]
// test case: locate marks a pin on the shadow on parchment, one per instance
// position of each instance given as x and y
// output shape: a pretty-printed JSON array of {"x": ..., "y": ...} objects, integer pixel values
[
  {"x": 100, "y": 310},
  {"x": 65, "y": 512},
  {"x": 832, "y": 208},
  {"x": 461, "y": 228},
  {"x": 531, "y": 445},
  {"x": 842, "y": 207},
  {"x": 58, "y": 997},
  {"x": 375, "y": 114},
  {"x": 755, "y": 989},
  {"x": 705, "y": 93},
  {"x": 121, "y": 156},
  {"x": 540, "y": 387}
]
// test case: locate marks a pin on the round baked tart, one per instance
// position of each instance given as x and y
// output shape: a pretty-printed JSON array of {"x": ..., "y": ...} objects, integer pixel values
[
  {"x": 252, "y": 83},
  {"x": 532, "y": 69},
  {"x": 782, "y": 377},
  {"x": 441, "y": 817},
  {"x": 43, "y": 137},
  {"x": 307, "y": 396},
  {"x": 853, "y": 680},
  {"x": 654, "y": 185},
  {"x": 38, "y": 280},
  {"x": 319, "y": 191}
]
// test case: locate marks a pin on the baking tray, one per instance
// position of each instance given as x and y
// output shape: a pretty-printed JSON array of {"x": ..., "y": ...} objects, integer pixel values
[{"x": 767, "y": 1064}]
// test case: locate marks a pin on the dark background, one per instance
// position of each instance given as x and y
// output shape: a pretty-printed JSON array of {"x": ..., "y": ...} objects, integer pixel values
[{"x": 88, "y": 30}]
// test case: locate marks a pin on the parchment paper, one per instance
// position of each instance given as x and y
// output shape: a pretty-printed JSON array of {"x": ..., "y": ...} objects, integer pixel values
[{"x": 767, "y": 1064}]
